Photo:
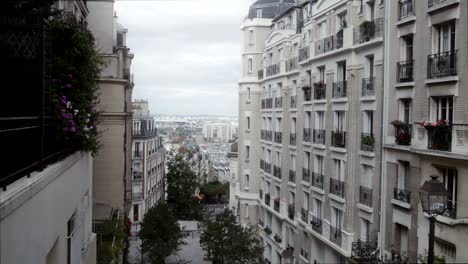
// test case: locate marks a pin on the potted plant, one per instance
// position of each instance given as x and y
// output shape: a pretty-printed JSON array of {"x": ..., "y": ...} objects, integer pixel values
[
  {"x": 267, "y": 230},
  {"x": 366, "y": 27},
  {"x": 398, "y": 124},
  {"x": 368, "y": 140}
]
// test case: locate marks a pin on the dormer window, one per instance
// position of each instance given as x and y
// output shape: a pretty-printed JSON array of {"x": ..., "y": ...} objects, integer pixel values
[{"x": 259, "y": 13}]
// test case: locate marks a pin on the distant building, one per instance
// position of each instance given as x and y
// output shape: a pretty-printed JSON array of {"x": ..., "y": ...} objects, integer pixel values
[
  {"x": 148, "y": 158},
  {"x": 219, "y": 132},
  {"x": 233, "y": 181}
]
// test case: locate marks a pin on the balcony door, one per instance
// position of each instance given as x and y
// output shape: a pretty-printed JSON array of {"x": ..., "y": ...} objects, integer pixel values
[
  {"x": 336, "y": 218},
  {"x": 444, "y": 35},
  {"x": 339, "y": 122},
  {"x": 341, "y": 71},
  {"x": 443, "y": 108},
  {"x": 318, "y": 208}
]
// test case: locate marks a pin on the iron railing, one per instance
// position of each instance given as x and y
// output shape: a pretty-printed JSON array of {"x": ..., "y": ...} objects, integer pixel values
[
  {"x": 306, "y": 175},
  {"x": 337, "y": 187},
  {"x": 307, "y": 134},
  {"x": 291, "y": 211},
  {"x": 402, "y": 195},
  {"x": 293, "y": 101},
  {"x": 292, "y": 176},
  {"x": 291, "y": 64},
  {"x": 339, "y": 139},
  {"x": 267, "y": 103},
  {"x": 292, "y": 139},
  {"x": 405, "y": 71},
  {"x": 267, "y": 167},
  {"x": 403, "y": 135},
  {"x": 276, "y": 204},
  {"x": 365, "y": 196},
  {"x": 304, "y": 54},
  {"x": 317, "y": 180},
  {"x": 367, "y": 142},
  {"x": 368, "y": 88},
  {"x": 320, "y": 90},
  {"x": 405, "y": 9},
  {"x": 451, "y": 210},
  {"x": 440, "y": 138},
  {"x": 316, "y": 224},
  {"x": 277, "y": 172},
  {"x": 368, "y": 30},
  {"x": 319, "y": 136},
  {"x": 304, "y": 213},
  {"x": 273, "y": 69},
  {"x": 364, "y": 251},
  {"x": 278, "y": 137},
  {"x": 442, "y": 64},
  {"x": 335, "y": 235},
  {"x": 307, "y": 93},
  {"x": 339, "y": 89},
  {"x": 329, "y": 43},
  {"x": 278, "y": 102},
  {"x": 432, "y": 3}
]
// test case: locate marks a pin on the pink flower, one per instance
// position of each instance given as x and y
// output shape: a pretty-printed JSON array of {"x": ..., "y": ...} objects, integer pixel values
[
  {"x": 70, "y": 76},
  {"x": 68, "y": 85}
]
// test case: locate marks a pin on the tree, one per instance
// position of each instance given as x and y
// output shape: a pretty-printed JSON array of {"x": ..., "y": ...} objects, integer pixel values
[
  {"x": 160, "y": 234},
  {"x": 215, "y": 190},
  {"x": 181, "y": 185},
  {"x": 229, "y": 243}
]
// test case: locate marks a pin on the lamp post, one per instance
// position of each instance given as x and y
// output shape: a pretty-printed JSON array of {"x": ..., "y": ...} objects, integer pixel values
[{"x": 434, "y": 202}]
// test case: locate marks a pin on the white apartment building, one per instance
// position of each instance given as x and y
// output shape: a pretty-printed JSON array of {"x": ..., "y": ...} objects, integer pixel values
[
  {"x": 309, "y": 136},
  {"x": 46, "y": 192},
  {"x": 219, "y": 132},
  {"x": 148, "y": 158},
  {"x": 426, "y": 80}
]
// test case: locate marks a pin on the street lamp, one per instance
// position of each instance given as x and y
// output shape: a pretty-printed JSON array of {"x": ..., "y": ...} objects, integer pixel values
[
  {"x": 434, "y": 202},
  {"x": 288, "y": 255}
]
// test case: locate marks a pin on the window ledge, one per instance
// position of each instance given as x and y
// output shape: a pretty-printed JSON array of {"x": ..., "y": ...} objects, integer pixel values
[
  {"x": 406, "y": 20},
  {"x": 319, "y": 146},
  {"x": 365, "y": 208},
  {"x": 441, "y": 6},
  {"x": 321, "y": 101},
  {"x": 292, "y": 184},
  {"x": 404, "y": 84},
  {"x": 368, "y": 98},
  {"x": 367, "y": 153},
  {"x": 450, "y": 221},
  {"x": 317, "y": 190},
  {"x": 401, "y": 204},
  {"x": 340, "y": 150},
  {"x": 339, "y": 100},
  {"x": 441, "y": 80},
  {"x": 336, "y": 198}
]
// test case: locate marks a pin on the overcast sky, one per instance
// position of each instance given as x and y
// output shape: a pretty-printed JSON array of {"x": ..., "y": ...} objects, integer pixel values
[{"x": 187, "y": 53}]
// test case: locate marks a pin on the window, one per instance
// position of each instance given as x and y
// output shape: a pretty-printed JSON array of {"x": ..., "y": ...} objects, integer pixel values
[
  {"x": 247, "y": 152},
  {"x": 306, "y": 159},
  {"x": 293, "y": 125},
  {"x": 247, "y": 182},
  {"x": 251, "y": 37},
  {"x": 250, "y": 66},
  {"x": 248, "y": 93},
  {"x": 443, "y": 108},
  {"x": 449, "y": 177},
  {"x": 317, "y": 208},
  {"x": 305, "y": 202},
  {"x": 293, "y": 162},
  {"x": 365, "y": 229},
  {"x": 405, "y": 110},
  {"x": 341, "y": 71},
  {"x": 320, "y": 120},
  {"x": 403, "y": 174},
  {"x": 321, "y": 71},
  {"x": 370, "y": 66},
  {"x": 341, "y": 22},
  {"x": 277, "y": 158},
  {"x": 368, "y": 122},
  {"x": 246, "y": 212},
  {"x": 407, "y": 47},
  {"x": 336, "y": 218},
  {"x": 136, "y": 213},
  {"x": 259, "y": 13},
  {"x": 318, "y": 164},
  {"x": 339, "y": 169},
  {"x": 401, "y": 239},
  {"x": 248, "y": 122},
  {"x": 307, "y": 119},
  {"x": 444, "y": 37},
  {"x": 446, "y": 249},
  {"x": 339, "y": 121}
]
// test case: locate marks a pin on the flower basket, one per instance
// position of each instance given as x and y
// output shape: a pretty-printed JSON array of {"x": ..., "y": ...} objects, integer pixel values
[
  {"x": 368, "y": 140},
  {"x": 440, "y": 124}
]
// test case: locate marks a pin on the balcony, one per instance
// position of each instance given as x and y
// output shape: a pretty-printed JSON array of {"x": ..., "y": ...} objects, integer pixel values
[
  {"x": 338, "y": 139},
  {"x": 277, "y": 172},
  {"x": 317, "y": 180},
  {"x": 339, "y": 89},
  {"x": 137, "y": 196},
  {"x": 291, "y": 211},
  {"x": 368, "y": 30},
  {"x": 442, "y": 64},
  {"x": 137, "y": 154},
  {"x": 306, "y": 175},
  {"x": 432, "y": 3},
  {"x": 292, "y": 176},
  {"x": 137, "y": 175},
  {"x": 307, "y": 93},
  {"x": 276, "y": 204},
  {"x": 368, "y": 86},
  {"x": 320, "y": 90},
  {"x": 329, "y": 43},
  {"x": 316, "y": 224},
  {"x": 364, "y": 251},
  {"x": 405, "y": 9},
  {"x": 307, "y": 135},
  {"x": 278, "y": 102},
  {"x": 304, "y": 213},
  {"x": 267, "y": 103},
  {"x": 402, "y": 195},
  {"x": 267, "y": 167},
  {"x": 367, "y": 142},
  {"x": 335, "y": 235},
  {"x": 365, "y": 196},
  {"x": 262, "y": 164},
  {"x": 451, "y": 210},
  {"x": 291, "y": 64},
  {"x": 319, "y": 136},
  {"x": 144, "y": 132},
  {"x": 273, "y": 69},
  {"x": 292, "y": 139},
  {"x": 267, "y": 199},
  {"x": 278, "y": 137},
  {"x": 440, "y": 138},
  {"x": 277, "y": 239},
  {"x": 405, "y": 71},
  {"x": 304, "y": 54},
  {"x": 293, "y": 101},
  {"x": 260, "y": 74},
  {"x": 403, "y": 134},
  {"x": 337, "y": 187}
]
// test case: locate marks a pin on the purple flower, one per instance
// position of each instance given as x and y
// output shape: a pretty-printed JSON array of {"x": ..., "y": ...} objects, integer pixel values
[
  {"x": 65, "y": 129},
  {"x": 70, "y": 76},
  {"x": 54, "y": 80},
  {"x": 73, "y": 129},
  {"x": 68, "y": 85}
]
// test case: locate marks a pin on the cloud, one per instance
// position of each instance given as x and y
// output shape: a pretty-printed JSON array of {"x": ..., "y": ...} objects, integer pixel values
[{"x": 187, "y": 53}]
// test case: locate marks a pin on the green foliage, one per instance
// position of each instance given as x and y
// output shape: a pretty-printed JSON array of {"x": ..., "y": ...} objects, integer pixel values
[
  {"x": 160, "y": 234},
  {"x": 368, "y": 140},
  {"x": 229, "y": 243},
  {"x": 111, "y": 241},
  {"x": 437, "y": 259},
  {"x": 181, "y": 185},
  {"x": 398, "y": 123},
  {"x": 215, "y": 190}
]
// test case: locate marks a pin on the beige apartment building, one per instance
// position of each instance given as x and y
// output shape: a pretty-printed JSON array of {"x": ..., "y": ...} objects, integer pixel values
[
  {"x": 426, "y": 46},
  {"x": 112, "y": 165}
]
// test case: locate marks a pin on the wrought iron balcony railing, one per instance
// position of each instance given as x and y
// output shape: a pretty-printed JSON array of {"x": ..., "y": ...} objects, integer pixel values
[
  {"x": 367, "y": 142},
  {"x": 405, "y": 71},
  {"x": 442, "y": 64},
  {"x": 368, "y": 30},
  {"x": 306, "y": 175},
  {"x": 304, "y": 54},
  {"x": 273, "y": 69},
  {"x": 402, "y": 195},
  {"x": 307, "y": 93},
  {"x": 292, "y": 139},
  {"x": 337, "y": 187},
  {"x": 291, "y": 64},
  {"x": 304, "y": 213},
  {"x": 293, "y": 101},
  {"x": 432, "y": 3},
  {"x": 292, "y": 176},
  {"x": 403, "y": 135},
  {"x": 339, "y": 89},
  {"x": 320, "y": 91},
  {"x": 329, "y": 43},
  {"x": 365, "y": 196},
  {"x": 307, "y": 134},
  {"x": 405, "y": 9},
  {"x": 276, "y": 204},
  {"x": 319, "y": 136},
  {"x": 339, "y": 139},
  {"x": 368, "y": 88},
  {"x": 316, "y": 224},
  {"x": 335, "y": 235},
  {"x": 277, "y": 172},
  {"x": 440, "y": 138},
  {"x": 317, "y": 180},
  {"x": 278, "y": 137},
  {"x": 291, "y": 211}
]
